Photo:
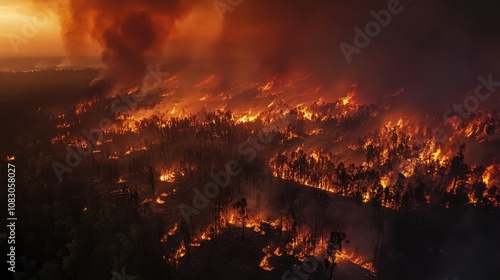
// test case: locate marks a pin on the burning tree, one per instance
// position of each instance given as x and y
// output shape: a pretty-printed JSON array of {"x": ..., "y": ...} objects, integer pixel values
[
  {"x": 241, "y": 206},
  {"x": 459, "y": 170},
  {"x": 334, "y": 247},
  {"x": 151, "y": 178}
]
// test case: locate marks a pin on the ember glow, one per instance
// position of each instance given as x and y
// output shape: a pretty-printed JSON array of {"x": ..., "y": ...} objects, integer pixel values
[
  {"x": 356, "y": 260},
  {"x": 390, "y": 162},
  {"x": 196, "y": 139},
  {"x": 264, "y": 263},
  {"x": 168, "y": 176}
]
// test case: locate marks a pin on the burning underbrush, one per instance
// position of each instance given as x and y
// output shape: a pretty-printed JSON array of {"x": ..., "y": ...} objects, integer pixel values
[
  {"x": 364, "y": 156},
  {"x": 341, "y": 146},
  {"x": 278, "y": 244}
]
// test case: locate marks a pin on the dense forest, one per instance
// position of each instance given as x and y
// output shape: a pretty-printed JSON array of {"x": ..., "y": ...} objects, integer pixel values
[{"x": 329, "y": 190}]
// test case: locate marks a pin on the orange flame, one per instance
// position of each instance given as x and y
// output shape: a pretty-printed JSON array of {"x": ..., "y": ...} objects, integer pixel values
[
  {"x": 264, "y": 263},
  {"x": 356, "y": 260}
]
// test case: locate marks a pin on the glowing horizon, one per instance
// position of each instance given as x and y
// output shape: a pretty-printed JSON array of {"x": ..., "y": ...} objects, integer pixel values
[{"x": 28, "y": 29}]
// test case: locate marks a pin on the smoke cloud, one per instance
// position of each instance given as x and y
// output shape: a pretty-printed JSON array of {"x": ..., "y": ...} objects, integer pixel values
[
  {"x": 127, "y": 30},
  {"x": 433, "y": 50}
]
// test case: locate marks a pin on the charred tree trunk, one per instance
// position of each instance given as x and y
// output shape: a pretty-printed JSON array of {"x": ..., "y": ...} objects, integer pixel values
[{"x": 243, "y": 230}]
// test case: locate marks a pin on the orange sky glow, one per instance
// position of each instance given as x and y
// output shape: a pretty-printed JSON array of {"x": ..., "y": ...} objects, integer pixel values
[{"x": 27, "y": 29}]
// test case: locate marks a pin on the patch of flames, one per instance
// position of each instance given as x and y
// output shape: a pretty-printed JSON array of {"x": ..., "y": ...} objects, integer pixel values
[
  {"x": 491, "y": 175},
  {"x": 160, "y": 201},
  {"x": 358, "y": 260},
  {"x": 168, "y": 176},
  {"x": 264, "y": 263},
  {"x": 174, "y": 259}
]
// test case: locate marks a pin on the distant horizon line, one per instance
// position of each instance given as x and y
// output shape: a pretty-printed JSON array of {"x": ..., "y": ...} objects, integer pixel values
[{"x": 8, "y": 55}]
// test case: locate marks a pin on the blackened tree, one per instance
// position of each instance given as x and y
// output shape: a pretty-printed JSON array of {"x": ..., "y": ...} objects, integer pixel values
[
  {"x": 459, "y": 170},
  {"x": 241, "y": 206},
  {"x": 151, "y": 178},
  {"x": 334, "y": 247}
]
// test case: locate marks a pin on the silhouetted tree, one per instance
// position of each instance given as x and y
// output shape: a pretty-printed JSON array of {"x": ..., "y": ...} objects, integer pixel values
[
  {"x": 459, "y": 170},
  {"x": 479, "y": 189},
  {"x": 334, "y": 246},
  {"x": 241, "y": 206}
]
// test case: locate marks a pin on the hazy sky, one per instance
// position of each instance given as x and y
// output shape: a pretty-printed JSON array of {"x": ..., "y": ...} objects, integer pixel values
[
  {"x": 19, "y": 26},
  {"x": 431, "y": 48},
  {"x": 27, "y": 30}
]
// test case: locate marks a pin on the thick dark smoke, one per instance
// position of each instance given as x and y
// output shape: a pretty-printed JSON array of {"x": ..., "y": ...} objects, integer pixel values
[
  {"x": 435, "y": 50},
  {"x": 128, "y": 31}
]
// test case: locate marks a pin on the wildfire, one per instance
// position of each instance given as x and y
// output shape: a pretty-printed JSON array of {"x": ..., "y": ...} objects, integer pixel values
[
  {"x": 164, "y": 238},
  {"x": 316, "y": 131},
  {"x": 315, "y": 155},
  {"x": 57, "y": 139},
  {"x": 431, "y": 151},
  {"x": 393, "y": 147},
  {"x": 133, "y": 149},
  {"x": 159, "y": 199},
  {"x": 264, "y": 263},
  {"x": 489, "y": 173},
  {"x": 385, "y": 181},
  {"x": 358, "y": 260},
  {"x": 82, "y": 107},
  {"x": 345, "y": 100},
  {"x": 305, "y": 112},
  {"x": 449, "y": 187},
  {"x": 63, "y": 125},
  {"x": 278, "y": 252},
  {"x": 169, "y": 176},
  {"x": 248, "y": 117},
  {"x": 206, "y": 81},
  {"x": 269, "y": 85},
  {"x": 478, "y": 127},
  {"x": 366, "y": 197},
  {"x": 174, "y": 259},
  {"x": 436, "y": 154},
  {"x": 472, "y": 198},
  {"x": 11, "y": 158},
  {"x": 204, "y": 236},
  {"x": 173, "y": 230}
]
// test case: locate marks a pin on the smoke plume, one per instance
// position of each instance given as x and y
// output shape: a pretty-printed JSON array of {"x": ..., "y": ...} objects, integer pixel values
[
  {"x": 433, "y": 50},
  {"x": 128, "y": 31}
]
